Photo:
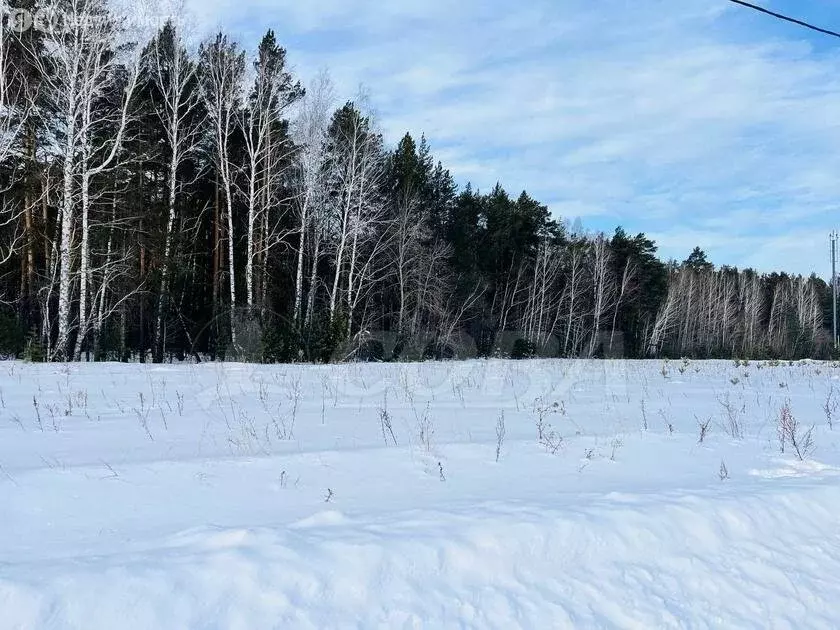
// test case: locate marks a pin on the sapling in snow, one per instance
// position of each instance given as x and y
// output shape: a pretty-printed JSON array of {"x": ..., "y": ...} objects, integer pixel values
[
  {"x": 387, "y": 426},
  {"x": 790, "y": 433},
  {"x": 500, "y": 434},
  {"x": 704, "y": 429},
  {"x": 830, "y": 407}
]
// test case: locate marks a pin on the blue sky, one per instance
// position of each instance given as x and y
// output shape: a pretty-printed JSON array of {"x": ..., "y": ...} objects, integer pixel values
[{"x": 695, "y": 121}]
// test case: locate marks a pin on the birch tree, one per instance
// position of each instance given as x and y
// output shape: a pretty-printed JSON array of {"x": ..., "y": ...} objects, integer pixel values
[
  {"x": 15, "y": 107},
  {"x": 358, "y": 168},
  {"x": 89, "y": 77},
  {"x": 666, "y": 317},
  {"x": 603, "y": 286},
  {"x": 15, "y": 99},
  {"x": 309, "y": 132},
  {"x": 406, "y": 254},
  {"x": 542, "y": 309},
  {"x": 754, "y": 308},
  {"x": 173, "y": 76},
  {"x": 222, "y": 72},
  {"x": 573, "y": 293},
  {"x": 272, "y": 93},
  {"x": 101, "y": 134},
  {"x": 625, "y": 289}
]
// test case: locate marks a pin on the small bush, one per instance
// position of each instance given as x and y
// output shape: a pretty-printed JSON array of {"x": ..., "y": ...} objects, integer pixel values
[
  {"x": 438, "y": 351},
  {"x": 280, "y": 343},
  {"x": 704, "y": 426},
  {"x": 791, "y": 433},
  {"x": 523, "y": 349},
  {"x": 33, "y": 349},
  {"x": 11, "y": 335},
  {"x": 369, "y": 351}
]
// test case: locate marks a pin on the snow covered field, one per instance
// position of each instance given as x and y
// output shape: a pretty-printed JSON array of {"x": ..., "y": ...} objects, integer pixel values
[{"x": 372, "y": 496}]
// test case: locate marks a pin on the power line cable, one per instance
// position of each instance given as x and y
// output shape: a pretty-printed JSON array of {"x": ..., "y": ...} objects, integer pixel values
[{"x": 786, "y": 18}]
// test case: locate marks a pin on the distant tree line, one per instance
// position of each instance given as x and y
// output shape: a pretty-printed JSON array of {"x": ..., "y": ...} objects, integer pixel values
[{"x": 159, "y": 202}]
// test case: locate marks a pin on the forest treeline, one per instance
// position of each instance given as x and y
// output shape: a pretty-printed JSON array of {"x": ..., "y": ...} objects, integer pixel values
[{"x": 163, "y": 201}]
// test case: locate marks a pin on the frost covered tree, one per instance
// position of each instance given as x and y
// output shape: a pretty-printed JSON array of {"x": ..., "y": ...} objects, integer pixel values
[
  {"x": 266, "y": 148},
  {"x": 88, "y": 80},
  {"x": 172, "y": 76},
  {"x": 222, "y": 70},
  {"x": 357, "y": 221},
  {"x": 309, "y": 133}
]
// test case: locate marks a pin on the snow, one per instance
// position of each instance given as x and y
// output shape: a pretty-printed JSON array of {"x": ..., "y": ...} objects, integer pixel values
[{"x": 241, "y": 496}]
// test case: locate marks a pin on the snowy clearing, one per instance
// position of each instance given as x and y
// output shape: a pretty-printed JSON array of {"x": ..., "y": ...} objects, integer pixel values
[{"x": 483, "y": 494}]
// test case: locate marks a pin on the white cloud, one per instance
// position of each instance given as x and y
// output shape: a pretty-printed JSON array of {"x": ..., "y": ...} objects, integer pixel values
[{"x": 667, "y": 117}]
